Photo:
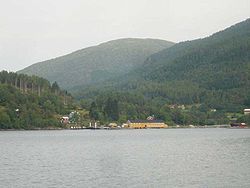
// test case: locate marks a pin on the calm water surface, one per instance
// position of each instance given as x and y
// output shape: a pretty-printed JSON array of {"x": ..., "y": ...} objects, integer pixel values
[{"x": 126, "y": 158}]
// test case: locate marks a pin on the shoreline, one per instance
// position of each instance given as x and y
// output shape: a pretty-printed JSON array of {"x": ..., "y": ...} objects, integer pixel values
[{"x": 184, "y": 127}]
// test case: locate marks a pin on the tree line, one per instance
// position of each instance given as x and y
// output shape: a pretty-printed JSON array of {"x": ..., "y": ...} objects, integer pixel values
[{"x": 30, "y": 102}]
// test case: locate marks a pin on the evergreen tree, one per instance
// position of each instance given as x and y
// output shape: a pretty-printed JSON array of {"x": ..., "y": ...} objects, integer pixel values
[{"x": 93, "y": 112}]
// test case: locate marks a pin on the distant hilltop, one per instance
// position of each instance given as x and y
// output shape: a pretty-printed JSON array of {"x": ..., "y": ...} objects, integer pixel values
[{"x": 98, "y": 63}]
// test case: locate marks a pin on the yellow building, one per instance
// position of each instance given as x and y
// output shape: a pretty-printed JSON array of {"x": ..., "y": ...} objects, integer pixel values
[
  {"x": 113, "y": 125},
  {"x": 144, "y": 124}
]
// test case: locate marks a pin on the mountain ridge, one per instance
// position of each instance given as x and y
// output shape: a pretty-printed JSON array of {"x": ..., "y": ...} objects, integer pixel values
[
  {"x": 97, "y": 63},
  {"x": 196, "y": 71}
]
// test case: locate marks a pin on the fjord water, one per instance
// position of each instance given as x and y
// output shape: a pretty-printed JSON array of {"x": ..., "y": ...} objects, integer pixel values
[{"x": 126, "y": 158}]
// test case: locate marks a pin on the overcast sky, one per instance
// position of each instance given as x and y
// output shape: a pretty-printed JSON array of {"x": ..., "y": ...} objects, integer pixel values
[{"x": 35, "y": 30}]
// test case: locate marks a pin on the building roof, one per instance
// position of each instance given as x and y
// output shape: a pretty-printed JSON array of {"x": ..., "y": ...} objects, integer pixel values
[{"x": 146, "y": 121}]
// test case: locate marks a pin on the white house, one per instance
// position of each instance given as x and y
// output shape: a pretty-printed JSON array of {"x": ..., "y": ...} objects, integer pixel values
[{"x": 246, "y": 111}]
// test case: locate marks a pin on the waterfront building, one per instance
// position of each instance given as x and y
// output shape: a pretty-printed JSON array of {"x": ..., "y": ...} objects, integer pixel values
[
  {"x": 143, "y": 124},
  {"x": 246, "y": 111}
]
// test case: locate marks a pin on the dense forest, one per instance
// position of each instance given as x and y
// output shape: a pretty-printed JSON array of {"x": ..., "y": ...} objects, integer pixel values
[
  {"x": 30, "y": 102},
  {"x": 210, "y": 77},
  {"x": 121, "y": 106}
]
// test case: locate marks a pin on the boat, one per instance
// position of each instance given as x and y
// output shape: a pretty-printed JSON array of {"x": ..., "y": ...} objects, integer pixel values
[{"x": 238, "y": 125}]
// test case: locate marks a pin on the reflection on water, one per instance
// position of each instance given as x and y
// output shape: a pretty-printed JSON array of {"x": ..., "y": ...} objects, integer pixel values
[{"x": 126, "y": 158}]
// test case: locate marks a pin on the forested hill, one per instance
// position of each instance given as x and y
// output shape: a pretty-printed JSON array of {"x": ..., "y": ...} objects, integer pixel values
[
  {"x": 30, "y": 102},
  {"x": 210, "y": 61},
  {"x": 98, "y": 63},
  {"x": 214, "y": 70},
  {"x": 204, "y": 74}
]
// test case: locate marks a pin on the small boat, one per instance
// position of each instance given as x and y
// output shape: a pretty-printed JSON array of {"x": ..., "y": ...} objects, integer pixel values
[{"x": 238, "y": 125}]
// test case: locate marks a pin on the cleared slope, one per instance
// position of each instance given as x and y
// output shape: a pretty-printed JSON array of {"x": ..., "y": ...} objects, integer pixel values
[{"x": 98, "y": 63}]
